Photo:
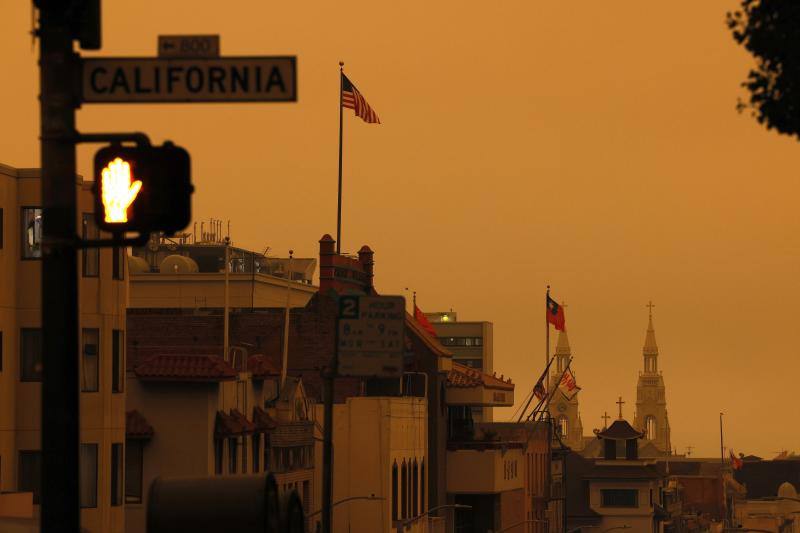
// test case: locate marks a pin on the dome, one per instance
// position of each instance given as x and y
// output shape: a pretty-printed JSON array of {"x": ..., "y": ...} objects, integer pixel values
[
  {"x": 178, "y": 264},
  {"x": 787, "y": 490},
  {"x": 137, "y": 265}
]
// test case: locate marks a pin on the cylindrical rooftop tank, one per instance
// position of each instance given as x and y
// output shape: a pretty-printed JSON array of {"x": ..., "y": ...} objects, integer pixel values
[{"x": 178, "y": 264}]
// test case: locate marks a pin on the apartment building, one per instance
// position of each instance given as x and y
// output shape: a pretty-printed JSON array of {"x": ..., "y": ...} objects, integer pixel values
[{"x": 102, "y": 303}]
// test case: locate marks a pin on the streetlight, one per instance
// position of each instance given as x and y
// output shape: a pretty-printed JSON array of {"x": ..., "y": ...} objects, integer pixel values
[
  {"x": 403, "y": 524},
  {"x": 580, "y": 528},
  {"x": 519, "y": 524},
  {"x": 350, "y": 499}
]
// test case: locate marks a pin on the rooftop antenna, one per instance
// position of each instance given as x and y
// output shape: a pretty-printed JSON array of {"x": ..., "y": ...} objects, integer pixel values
[{"x": 285, "y": 361}]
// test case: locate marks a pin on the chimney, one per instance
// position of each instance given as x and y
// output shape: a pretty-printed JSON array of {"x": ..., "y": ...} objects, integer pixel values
[
  {"x": 327, "y": 251},
  {"x": 365, "y": 257}
]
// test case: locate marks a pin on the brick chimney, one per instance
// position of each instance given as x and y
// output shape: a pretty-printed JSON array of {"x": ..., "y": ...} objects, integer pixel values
[
  {"x": 343, "y": 273},
  {"x": 327, "y": 251},
  {"x": 365, "y": 257}
]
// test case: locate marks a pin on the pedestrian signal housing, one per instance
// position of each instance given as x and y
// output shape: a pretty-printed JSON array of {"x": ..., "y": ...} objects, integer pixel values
[{"x": 142, "y": 188}]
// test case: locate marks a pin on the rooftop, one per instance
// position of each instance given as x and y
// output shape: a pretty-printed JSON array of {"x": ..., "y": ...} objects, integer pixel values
[{"x": 191, "y": 368}]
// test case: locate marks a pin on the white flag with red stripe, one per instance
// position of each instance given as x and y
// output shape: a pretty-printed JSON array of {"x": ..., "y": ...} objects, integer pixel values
[{"x": 568, "y": 386}]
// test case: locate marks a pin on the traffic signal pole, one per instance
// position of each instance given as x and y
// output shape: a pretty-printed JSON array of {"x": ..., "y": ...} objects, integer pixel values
[{"x": 60, "y": 505}]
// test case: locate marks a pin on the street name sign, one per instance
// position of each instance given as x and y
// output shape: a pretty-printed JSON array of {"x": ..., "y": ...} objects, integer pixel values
[
  {"x": 214, "y": 79},
  {"x": 370, "y": 336},
  {"x": 188, "y": 46}
]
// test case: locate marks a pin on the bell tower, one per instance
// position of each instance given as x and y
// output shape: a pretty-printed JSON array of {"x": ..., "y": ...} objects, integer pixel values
[
  {"x": 651, "y": 404},
  {"x": 562, "y": 410}
]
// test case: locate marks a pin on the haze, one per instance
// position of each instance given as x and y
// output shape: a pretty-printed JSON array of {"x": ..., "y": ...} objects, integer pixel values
[{"x": 592, "y": 146}]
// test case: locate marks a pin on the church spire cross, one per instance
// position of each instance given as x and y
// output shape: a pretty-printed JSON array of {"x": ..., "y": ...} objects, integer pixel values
[
  {"x": 650, "y": 305},
  {"x": 605, "y": 418},
  {"x": 620, "y": 403}
]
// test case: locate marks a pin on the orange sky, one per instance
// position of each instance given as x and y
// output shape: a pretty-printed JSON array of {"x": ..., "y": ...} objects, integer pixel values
[{"x": 593, "y": 147}]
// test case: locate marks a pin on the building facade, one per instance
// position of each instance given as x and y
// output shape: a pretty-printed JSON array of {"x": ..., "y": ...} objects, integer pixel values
[
  {"x": 102, "y": 303},
  {"x": 380, "y": 469},
  {"x": 471, "y": 343}
]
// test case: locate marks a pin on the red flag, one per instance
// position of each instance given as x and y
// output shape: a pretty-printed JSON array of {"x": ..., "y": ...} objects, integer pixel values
[
  {"x": 555, "y": 313},
  {"x": 736, "y": 462},
  {"x": 419, "y": 316}
]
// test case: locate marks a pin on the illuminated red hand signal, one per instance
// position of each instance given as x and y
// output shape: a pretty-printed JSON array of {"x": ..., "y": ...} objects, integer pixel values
[{"x": 119, "y": 190}]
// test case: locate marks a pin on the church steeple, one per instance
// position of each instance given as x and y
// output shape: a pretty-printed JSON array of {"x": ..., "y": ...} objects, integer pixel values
[
  {"x": 651, "y": 403},
  {"x": 562, "y": 409},
  {"x": 563, "y": 352},
  {"x": 650, "y": 350}
]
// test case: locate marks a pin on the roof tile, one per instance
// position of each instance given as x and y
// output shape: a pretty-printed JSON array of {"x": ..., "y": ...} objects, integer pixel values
[
  {"x": 194, "y": 368},
  {"x": 462, "y": 376}
]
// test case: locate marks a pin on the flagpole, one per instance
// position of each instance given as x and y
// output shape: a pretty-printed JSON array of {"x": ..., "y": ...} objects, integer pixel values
[
  {"x": 547, "y": 337},
  {"x": 339, "y": 205},
  {"x": 552, "y": 393},
  {"x": 530, "y": 397}
]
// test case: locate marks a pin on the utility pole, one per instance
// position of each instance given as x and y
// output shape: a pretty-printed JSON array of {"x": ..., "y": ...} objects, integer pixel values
[{"x": 60, "y": 504}]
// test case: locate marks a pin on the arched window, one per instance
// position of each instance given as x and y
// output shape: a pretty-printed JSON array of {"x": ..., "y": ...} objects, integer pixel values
[
  {"x": 650, "y": 428},
  {"x": 563, "y": 426},
  {"x": 415, "y": 489},
  {"x": 404, "y": 490},
  {"x": 422, "y": 486},
  {"x": 394, "y": 491}
]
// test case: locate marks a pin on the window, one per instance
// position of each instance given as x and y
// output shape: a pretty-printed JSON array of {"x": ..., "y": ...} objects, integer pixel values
[
  {"x": 118, "y": 256},
  {"x": 219, "y": 447},
  {"x": 91, "y": 256},
  {"x": 461, "y": 341},
  {"x": 563, "y": 426},
  {"x": 620, "y": 497},
  {"x": 232, "y": 455},
  {"x": 394, "y": 491},
  {"x": 244, "y": 454},
  {"x": 88, "y": 479},
  {"x": 31, "y": 232},
  {"x": 422, "y": 487},
  {"x": 134, "y": 462},
  {"x": 650, "y": 428},
  {"x": 30, "y": 354},
  {"x": 415, "y": 489},
  {"x": 91, "y": 360},
  {"x": 404, "y": 491},
  {"x": 118, "y": 361},
  {"x": 30, "y": 473},
  {"x": 116, "y": 474},
  {"x": 256, "y": 452}
]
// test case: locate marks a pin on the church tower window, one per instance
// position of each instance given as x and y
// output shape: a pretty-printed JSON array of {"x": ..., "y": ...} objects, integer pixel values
[
  {"x": 563, "y": 426},
  {"x": 650, "y": 428}
]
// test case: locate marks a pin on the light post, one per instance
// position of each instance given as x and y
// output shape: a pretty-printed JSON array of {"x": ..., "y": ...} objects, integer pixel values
[
  {"x": 512, "y": 526},
  {"x": 405, "y": 523},
  {"x": 350, "y": 499},
  {"x": 581, "y": 528}
]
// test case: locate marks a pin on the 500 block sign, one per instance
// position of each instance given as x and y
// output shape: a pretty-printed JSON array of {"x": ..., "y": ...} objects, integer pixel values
[{"x": 226, "y": 79}]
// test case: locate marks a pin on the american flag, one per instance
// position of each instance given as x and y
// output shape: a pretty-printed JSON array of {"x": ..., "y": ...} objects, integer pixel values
[
  {"x": 539, "y": 390},
  {"x": 352, "y": 99}
]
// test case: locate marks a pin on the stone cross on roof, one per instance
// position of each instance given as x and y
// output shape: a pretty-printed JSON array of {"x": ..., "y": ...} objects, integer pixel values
[{"x": 619, "y": 403}]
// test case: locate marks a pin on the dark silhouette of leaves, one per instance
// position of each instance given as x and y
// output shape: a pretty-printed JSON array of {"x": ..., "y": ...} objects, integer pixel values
[{"x": 770, "y": 31}]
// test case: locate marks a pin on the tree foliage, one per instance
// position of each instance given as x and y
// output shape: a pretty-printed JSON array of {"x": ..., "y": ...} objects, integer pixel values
[{"x": 770, "y": 31}]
